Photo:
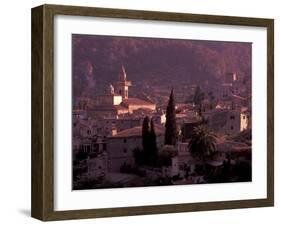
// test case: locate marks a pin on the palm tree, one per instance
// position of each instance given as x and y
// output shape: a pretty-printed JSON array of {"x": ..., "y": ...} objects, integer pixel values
[{"x": 202, "y": 143}]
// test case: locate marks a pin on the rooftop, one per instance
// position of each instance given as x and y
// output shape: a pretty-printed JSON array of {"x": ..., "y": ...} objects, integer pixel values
[
  {"x": 136, "y": 101},
  {"x": 110, "y": 107},
  {"x": 109, "y": 94},
  {"x": 137, "y": 132}
]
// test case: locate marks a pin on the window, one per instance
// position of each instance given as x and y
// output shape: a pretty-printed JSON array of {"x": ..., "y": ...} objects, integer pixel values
[
  {"x": 244, "y": 116},
  {"x": 232, "y": 117},
  {"x": 125, "y": 150},
  {"x": 125, "y": 140},
  {"x": 231, "y": 127},
  {"x": 120, "y": 91}
]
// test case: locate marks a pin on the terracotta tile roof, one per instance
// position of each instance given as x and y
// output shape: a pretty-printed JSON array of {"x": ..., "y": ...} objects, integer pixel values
[
  {"x": 110, "y": 107},
  {"x": 136, "y": 101},
  {"x": 137, "y": 132}
]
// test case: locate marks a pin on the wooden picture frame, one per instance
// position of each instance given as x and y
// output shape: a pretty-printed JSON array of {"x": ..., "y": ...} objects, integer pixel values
[{"x": 43, "y": 107}]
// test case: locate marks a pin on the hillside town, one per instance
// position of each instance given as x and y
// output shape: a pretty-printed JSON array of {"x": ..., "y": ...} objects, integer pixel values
[{"x": 162, "y": 135}]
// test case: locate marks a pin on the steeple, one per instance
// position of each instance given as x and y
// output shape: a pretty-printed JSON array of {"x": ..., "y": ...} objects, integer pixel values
[
  {"x": 122, "y": 74},
  {"x": 121, "y": 87}
]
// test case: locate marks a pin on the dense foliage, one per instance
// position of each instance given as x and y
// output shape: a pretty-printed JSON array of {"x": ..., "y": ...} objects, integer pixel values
[{"x": 202, "y": 143}]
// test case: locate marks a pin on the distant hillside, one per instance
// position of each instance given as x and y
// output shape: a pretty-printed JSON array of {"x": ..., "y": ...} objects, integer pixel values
[{"x": 97, "y": 60}]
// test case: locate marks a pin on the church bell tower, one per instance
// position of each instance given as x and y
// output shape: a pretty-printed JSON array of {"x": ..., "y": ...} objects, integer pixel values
[{"x": 121, "y": 87}]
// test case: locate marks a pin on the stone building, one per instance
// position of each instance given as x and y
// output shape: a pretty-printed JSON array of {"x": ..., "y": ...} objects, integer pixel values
[
  {"x": 121, "y": 146},
  {"x": 226, "y": 121}
]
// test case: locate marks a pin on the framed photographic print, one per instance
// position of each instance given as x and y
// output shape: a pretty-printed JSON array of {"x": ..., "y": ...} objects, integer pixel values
[{"x": 141, "y": 112}]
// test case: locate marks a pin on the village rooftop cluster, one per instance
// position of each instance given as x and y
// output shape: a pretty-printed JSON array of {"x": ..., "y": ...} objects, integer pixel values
[{"x": 191, "y": 135}]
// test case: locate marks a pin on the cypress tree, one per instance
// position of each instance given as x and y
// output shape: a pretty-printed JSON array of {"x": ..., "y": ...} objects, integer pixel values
[
  {"x": 170, "y": 125},
  {"x": 153, "y": 145},
  {"x": 145, "y": 135},
  {"x": 198, "y": 96}
]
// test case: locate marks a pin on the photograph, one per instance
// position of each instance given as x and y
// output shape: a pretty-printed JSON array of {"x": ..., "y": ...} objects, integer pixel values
[{"x": 160, "y": 112}]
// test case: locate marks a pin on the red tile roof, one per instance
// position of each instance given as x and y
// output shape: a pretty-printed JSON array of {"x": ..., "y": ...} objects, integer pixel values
[
  {"x": 137, "y": 132},
  {"x": 136, "y": 101},
  {"x": 110, "y": 107}
]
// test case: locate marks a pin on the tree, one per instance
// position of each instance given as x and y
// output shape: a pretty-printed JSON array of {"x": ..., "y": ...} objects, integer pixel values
[
  {"x": 212, "y": 99},
  {"x": 139, "y": 156},
  {"x": 150, "y": 152},
  {"x": 199, "y": 111},
  {"x": 202, "y": 143},
  {"x": 198, "y": 96},
  {"x": 153, "y": 154},
  {"x": 170, "y": 125},
  {"x": 145, "y": 135}
]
